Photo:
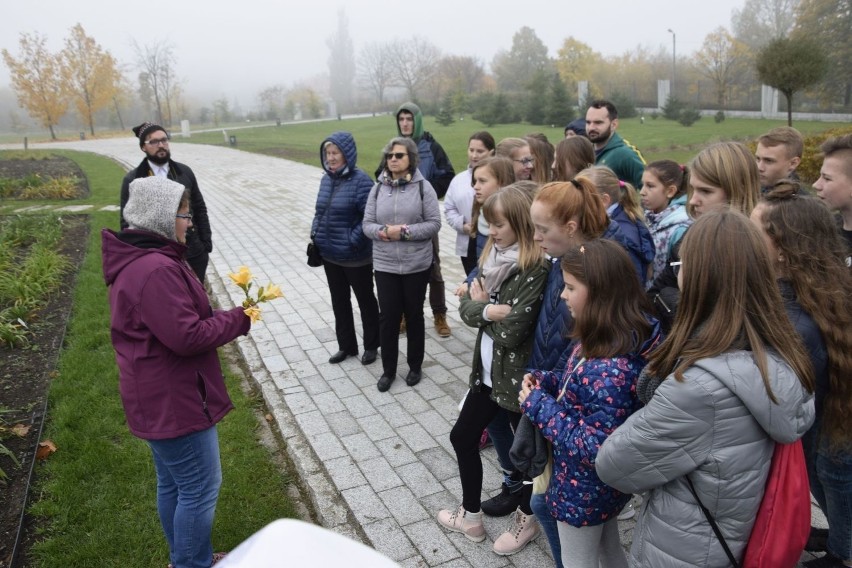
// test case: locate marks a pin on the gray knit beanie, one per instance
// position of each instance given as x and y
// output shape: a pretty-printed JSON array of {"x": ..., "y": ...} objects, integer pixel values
[{"x": 153, "y": 204}]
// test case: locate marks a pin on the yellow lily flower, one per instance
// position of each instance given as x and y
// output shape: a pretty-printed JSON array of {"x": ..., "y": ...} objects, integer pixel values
[
  {"x": 241, "y": 278},
  {"x": 253, "y": 313},
  {"x": 271, "y": 292}
]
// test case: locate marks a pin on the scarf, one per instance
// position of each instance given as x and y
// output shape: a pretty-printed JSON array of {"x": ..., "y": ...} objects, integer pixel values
[{"x": 500, "y": 264}]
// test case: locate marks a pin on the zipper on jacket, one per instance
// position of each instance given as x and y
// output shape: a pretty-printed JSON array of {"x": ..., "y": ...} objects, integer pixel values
[{"x": 202, "y": 393}]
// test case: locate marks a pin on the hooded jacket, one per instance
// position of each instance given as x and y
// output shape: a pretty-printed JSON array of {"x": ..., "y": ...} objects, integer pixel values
[
  {"x": 622, "y": 158},
  {"x": 336, "y": 228},
  {"x": 600, "y": 394},
  {"x": 165, "y": 336},
  {"x": 719, "y": 427},
  {"x": 433, "y": 162}
]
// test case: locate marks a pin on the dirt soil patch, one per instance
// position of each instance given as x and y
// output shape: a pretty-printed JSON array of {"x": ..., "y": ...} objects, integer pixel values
[
  {"x": 49, "y": 167},
  {"x": 25, "y": 376}
]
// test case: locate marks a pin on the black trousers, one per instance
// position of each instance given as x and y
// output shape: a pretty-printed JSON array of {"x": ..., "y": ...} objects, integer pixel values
[
  {"x": 360, "y": 280},
  {"x": 437, "y": 295},
  {"x": 477, "y": 411},
  {"x": 402, "y": 294},
  {"x": 469, "y": 261}
]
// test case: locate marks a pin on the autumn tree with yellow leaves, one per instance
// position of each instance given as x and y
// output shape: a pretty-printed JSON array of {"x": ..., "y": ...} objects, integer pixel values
[
  {"x": 38, "y": 82},
  {"x": 90, "y": 73}
]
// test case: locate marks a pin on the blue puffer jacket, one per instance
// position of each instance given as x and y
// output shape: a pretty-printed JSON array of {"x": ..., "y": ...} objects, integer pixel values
[
  {"x": 336, "y": 228},
  {"x": 638, "y": 242}
]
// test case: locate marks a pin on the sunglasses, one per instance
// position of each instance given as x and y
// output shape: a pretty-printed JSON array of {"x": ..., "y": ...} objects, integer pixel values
[{"x": 397, "y": 155}]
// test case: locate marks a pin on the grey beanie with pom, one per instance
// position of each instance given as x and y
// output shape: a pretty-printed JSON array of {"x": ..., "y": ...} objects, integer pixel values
[{"x": 153, "y": 203}]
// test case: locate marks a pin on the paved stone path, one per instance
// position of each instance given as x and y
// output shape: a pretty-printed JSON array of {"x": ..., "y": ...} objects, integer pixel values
[{"x": 378, "y": 466}]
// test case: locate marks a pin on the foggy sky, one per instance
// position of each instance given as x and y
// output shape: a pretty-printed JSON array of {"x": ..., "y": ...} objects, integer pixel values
[{"x": 235, "y": 49}]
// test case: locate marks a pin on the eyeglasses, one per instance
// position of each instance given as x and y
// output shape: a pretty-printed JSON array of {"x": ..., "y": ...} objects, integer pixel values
[
  {"x": 528, "y": 161},
  {"x": 397, "y": 155},
  {"x": 187, "y": 216},
  {"x": 158, "y": 142},
  {"x": 676, "y": 266}
]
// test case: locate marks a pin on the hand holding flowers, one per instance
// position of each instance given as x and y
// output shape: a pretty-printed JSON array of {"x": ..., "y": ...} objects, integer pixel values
[{"x": 243, "y": 278}]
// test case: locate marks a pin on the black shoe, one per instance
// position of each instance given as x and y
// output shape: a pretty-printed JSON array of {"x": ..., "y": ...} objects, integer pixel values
[
  {"x": 369, "y": 356},
  {"x": 503, "y": 503},
  {"x": 817, "y": 540},
  {"x": 340, "y": 356},
  {"x": 385, "y": 382},
  {"x": 413, "y": 377},
  {"x": 827, "y": 561}
]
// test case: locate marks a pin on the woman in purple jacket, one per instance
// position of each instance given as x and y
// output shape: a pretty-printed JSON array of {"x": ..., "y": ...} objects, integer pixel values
[{"x": 165, "y": 336}]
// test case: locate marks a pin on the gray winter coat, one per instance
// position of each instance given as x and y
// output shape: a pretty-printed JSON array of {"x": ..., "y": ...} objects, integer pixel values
[
  {"x": 403, "y": 206},
  {"x": 718, "y": 427}
]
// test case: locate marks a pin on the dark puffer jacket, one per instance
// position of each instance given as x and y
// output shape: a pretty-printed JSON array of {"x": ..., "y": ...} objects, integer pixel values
[
  {"x": 336, "y": 227},
  {"x": 637, "y": 241}
]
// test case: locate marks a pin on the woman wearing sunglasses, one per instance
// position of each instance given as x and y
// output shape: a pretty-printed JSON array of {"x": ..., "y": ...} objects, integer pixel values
[{"x": 401, "y": 216}]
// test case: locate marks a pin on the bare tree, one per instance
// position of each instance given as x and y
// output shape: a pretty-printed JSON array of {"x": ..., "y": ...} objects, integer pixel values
[
  {"x": 415, "y": 63},
  {"x": 461, "y": 72},
  {"x": 722, "y": 59},
  {"x": 761, "y": 21},
  {"x": 341, "y": 62},
  {"x": 156, "y": 62},
  {"x": 375, "y": 69}
]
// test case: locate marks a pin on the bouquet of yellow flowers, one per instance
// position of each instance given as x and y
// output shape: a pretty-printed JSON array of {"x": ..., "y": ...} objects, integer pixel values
[{"x": 243, "y": 278}]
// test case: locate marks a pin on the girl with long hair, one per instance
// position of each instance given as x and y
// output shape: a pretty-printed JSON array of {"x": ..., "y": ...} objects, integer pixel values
[
  {"x": 503, "y": 304},
  {"x": 663, "y": 194},
  {"x": 458, "y": 203},
  {"x": 623, "y": 207},
  {"x": 518, "y": 150},
  {"x": 577, "y": 410},
  {"x": 722, "y": 174},
  {"x": 573, "y": 155},
  {"x": 730, "y": 381},
  {"x": 809, "y": 256}
]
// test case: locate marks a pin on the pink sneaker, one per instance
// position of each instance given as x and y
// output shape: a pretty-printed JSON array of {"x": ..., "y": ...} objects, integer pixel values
[
  {"x": 461, "y": 521},
  {"x": 523, "y": 529}
]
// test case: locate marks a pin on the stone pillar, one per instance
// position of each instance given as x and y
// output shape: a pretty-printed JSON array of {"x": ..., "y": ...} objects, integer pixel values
[
  {"x": 184, "y": 128},
  {"x": 664, "y": 91},
  {"x": 768, "y": 102},
  {"x": 582, "y": 95}
]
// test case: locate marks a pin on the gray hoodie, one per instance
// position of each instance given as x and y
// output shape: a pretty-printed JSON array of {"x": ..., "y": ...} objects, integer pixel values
[{"x": 718, "y": 427}]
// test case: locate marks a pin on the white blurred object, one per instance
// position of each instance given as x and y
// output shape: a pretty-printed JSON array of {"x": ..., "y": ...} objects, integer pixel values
[{"x": 288, "y": 542}]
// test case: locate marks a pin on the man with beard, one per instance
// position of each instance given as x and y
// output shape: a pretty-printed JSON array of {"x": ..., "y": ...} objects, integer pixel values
[
  {"x": 154, "y": 142},
  {"x": 611, "y": 150}
]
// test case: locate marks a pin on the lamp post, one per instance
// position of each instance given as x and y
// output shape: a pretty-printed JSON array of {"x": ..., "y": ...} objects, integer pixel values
[{"x": 674, "y": 59}]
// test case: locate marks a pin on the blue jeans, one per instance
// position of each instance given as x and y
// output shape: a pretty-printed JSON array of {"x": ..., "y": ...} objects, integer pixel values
[
  {"x": 501, "y": 434},
  {"x": 548, "y": 524},
  {"x": 832, "y": 488},
  {"x": 188, "y": 479}
]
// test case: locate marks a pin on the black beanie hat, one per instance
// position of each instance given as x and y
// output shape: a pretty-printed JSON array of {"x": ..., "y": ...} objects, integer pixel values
[{"x": 144, "y": 129}]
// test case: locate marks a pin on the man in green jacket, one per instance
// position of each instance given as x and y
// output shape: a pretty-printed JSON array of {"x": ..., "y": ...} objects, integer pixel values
[{"x": 611, "y": 150}]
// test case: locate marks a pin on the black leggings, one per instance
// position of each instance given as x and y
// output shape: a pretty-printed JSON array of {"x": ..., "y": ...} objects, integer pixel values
[{"x": 478, "y": 410}]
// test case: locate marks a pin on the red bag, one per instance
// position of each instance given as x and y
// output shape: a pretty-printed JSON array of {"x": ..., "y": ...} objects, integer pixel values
[{"x": 783, "y": 521}]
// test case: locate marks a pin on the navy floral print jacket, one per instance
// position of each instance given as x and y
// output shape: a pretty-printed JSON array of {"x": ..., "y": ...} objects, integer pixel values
[{"x": 599, "y": 396}]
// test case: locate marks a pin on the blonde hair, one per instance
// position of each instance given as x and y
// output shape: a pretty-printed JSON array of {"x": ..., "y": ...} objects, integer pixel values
[
  {"x": 618, "y": 191},
  {"x": 503, "y": 171},
  {"x": 514, "y": 204},
  {"x": 730, "y": 166}
]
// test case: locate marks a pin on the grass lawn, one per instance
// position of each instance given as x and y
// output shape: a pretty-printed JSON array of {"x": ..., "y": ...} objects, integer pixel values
[
  {"x": 656, "y": 139},
  {"x": 94, "y": 503}
]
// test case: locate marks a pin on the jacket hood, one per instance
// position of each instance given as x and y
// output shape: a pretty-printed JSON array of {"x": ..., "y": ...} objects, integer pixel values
[
  {"x": 346, "y": 143},
  {"x": 784, "y": 422},
  {"x": 418, "y": 120},
  {"x": 121, "y": 249}
]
